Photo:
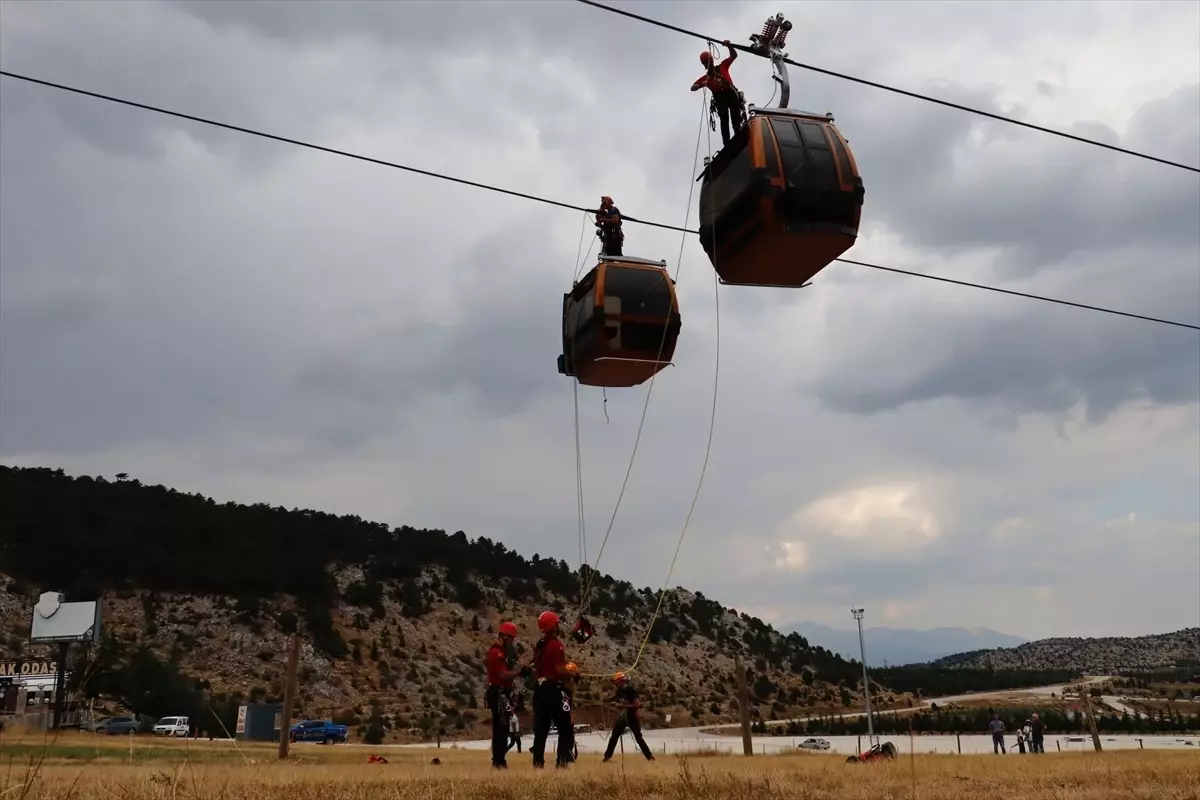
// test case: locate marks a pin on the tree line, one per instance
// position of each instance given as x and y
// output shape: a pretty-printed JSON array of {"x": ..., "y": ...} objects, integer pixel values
[
  {"x": 934, "y": 681},
  {"x": 125, "y": 536},
  {"x": 951, "y": 722},
  {"x": 122, "y": 536}
]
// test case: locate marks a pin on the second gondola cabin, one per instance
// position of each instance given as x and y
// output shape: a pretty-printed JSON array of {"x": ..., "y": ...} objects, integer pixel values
[
  {"x": 783, "y": 199},
  {"x": 620, "y": 323}
]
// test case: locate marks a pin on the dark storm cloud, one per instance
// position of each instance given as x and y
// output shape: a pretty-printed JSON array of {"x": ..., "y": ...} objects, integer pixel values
[
  {"x": 502, "y": 342},
  {"x": 251, "y": 319},
  {"x": 1025, "y": 357},
  {"x": 135, "y": 51},
  {"x": 1042, "y": 200},
  {"x": 504, "y": 32}
]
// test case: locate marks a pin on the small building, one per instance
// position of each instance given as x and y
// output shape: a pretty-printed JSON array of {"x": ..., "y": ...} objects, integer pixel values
[{"x": 259, "y": 722}]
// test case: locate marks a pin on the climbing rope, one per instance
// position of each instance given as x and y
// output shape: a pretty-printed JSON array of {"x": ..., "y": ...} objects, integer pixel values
[
  {"x": 580, "y": 259},
  {"x": 662, "y": 592},
  {"x": 589, "y": 582},
  {"x": 579, "y": 262},
  {"x": 579, "y": 480},
  {"x": 712, "y": 424}
]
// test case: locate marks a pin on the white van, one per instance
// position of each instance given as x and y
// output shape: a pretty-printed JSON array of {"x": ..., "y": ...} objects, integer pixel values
[{"x": 172, "y": 726}]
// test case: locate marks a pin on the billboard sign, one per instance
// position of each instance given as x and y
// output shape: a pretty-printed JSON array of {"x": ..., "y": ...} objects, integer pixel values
[
  {"x": 31, "y": 668},
  {"x": 57, "y": 621}
]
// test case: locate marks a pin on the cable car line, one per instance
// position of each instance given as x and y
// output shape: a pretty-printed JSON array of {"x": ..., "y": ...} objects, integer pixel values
[
  {"x": 905, "y": 92},
  {"x": 559, "y": 204},
  {"x": 1026, "y": 295}
]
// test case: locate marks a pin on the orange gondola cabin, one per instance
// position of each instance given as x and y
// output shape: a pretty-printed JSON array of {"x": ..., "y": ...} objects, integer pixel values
[
  {"x": 620, "y": 323},
  {"x": 783, "y": 199}
]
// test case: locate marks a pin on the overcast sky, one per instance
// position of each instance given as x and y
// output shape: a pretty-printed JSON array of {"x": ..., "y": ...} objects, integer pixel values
[{"x": 260, "y": 322}]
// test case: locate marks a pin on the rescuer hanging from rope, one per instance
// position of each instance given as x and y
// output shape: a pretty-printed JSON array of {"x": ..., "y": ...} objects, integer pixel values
[
  {"x": 727, "y": 101},
  {"x": 501, "y": 673},
  {"x": 626, "y": 699},
  {"x": 608, "y": 228},
  {"x": 551, "y": 703}
]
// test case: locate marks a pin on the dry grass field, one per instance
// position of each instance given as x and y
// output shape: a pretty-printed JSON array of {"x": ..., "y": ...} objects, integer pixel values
[{"x": 82, "y": 768}]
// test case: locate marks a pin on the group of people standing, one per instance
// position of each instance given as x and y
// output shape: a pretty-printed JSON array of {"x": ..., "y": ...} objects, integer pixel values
[
  {"x": 1032, "y": 735},
  {"x": 553, "y": 696}
]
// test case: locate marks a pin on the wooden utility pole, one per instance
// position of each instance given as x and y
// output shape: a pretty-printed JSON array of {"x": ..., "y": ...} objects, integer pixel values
[
  {"x": 1091, "y": 719},
  {"x": 289, "y": 697},
  {"x": 60, "y": 684},
  {"x": 744, "y": 709}
]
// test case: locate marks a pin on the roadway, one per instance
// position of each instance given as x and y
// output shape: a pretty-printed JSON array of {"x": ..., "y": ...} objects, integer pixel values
[{"x": 693, "y": 739}]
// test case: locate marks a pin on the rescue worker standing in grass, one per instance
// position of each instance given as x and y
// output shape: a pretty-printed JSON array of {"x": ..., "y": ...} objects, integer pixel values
[
  {"x": 626, "y": 699},
  {"x": 551, "y": 703},
  {"x": 500, "y": 677}
]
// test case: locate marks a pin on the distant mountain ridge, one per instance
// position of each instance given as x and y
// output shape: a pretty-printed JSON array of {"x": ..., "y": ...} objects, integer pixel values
[
  {"x": 899, "y": 646},
  {"x": 1101, "y": 656}
]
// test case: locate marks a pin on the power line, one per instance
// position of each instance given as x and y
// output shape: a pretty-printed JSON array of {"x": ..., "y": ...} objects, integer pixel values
[
  {"x": 1015, "y": 293},
  {"x": 905, "y": 92},
  {"x": 311, "y": 146},
  {"x": 559, "y": 204}
]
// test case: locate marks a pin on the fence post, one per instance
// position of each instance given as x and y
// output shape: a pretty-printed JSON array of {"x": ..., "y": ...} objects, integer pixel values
[{"x": 744, "y": 708}]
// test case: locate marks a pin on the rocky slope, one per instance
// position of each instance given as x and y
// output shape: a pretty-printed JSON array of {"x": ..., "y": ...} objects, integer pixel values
[
  {"x": 395, "y": 621},
  {"x": 425, "y": 673},
  {"x": 1103, "y": 656}
]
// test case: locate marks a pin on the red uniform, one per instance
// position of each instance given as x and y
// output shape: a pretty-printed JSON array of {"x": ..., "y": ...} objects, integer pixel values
[
  {"x": 726, "y": 101},
  {"x": 497, "y": 665},
  {"x": 552, "y": 656},
  {"x": 551, "y": 704},
  {"x": 717, "y": 80}
]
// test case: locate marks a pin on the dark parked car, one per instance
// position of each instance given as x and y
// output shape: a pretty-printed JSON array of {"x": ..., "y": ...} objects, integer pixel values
[{"x": 112, "y": 725}]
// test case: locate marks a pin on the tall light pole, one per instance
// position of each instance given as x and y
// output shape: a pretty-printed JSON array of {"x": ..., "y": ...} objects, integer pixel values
[{"x": 862, "y": 649}]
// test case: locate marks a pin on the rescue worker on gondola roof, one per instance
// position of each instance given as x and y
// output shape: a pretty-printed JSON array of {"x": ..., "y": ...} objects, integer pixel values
[
  {"x": 501, "y": 672},
  {"x": 551, "y": 703},
  {"x": 726, "y": 98},
  {"x": 608, "y": 227}
]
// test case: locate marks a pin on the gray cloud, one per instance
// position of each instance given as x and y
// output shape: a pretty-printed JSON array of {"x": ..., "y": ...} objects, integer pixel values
[{"x": 260, "y": 323}]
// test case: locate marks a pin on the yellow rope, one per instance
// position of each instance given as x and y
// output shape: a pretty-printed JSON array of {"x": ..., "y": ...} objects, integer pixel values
[{"x": 662, "y": 593}]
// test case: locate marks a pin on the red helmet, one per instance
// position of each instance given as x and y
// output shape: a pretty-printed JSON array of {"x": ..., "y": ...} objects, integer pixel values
[
  {"x": 508, "y": 629},
  {"x": 547, "y": 621},
  {"x": 706, "y": 58}
]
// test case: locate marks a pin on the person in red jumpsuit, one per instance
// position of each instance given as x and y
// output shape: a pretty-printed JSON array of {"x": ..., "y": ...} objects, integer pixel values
[
  {"x": 500, "y": 677},
  {"x": 551, "y": 702},
  {"x": 727, "y": 100}
]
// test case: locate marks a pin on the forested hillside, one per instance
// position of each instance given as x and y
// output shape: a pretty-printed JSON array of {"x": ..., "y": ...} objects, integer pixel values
[
  {"x": 199, "y": 597},
  {"x": 1098, "y": 656}
]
